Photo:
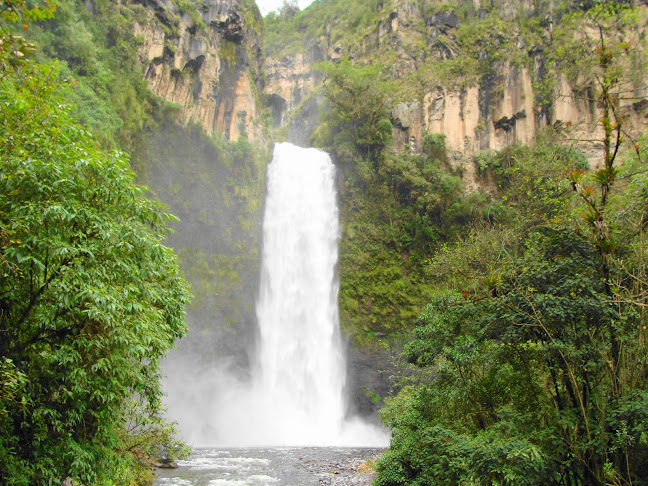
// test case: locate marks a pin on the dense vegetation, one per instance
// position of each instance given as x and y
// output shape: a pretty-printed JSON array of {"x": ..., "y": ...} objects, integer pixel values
[
  {"x": 533, "y": 359},
  {"x": 90, "y": 298},
  {"x": 290, "y": 30},
  {"x": 532, "y": 352},
  {"x": 533, "y": 347},
  {"x": 97, "y": 80},
  {"x": 100, "y": 58}
]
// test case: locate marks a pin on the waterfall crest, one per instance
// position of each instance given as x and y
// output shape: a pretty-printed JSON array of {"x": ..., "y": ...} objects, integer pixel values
[{"x": 295, "y": 397}]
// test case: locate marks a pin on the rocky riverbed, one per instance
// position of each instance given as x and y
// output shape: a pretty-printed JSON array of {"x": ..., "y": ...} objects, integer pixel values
[
  {"x": 316, "y": 466},
  {"x": 353, "y": 468}
]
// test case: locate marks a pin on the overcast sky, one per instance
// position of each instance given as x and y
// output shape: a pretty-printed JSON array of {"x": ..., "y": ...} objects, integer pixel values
[{"x": 266, "y": 5}]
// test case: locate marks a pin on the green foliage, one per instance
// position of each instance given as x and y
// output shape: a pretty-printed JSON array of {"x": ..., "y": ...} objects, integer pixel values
[
  {"x": 359, "y": 111},
  {"x": 489, "y": 40},
  {"x": 395, "y": 216},
  {"x": 101, "y": 57},
  {"x": 90, "y": 298},
  {"x": 252, "y": 17},
  {"x": 434, "y": 145},
  {"x": 523, "y": 392},
  {"x": 531, "y": 178},
  {"x": 15, "y": 50},
  {"x": 535, "y": 345},
  {"x": 12, "y": 383},
  {"x": 420, "y": 184},
  {"x": 191, "y": 7},
  {"x": 289, "y": 31},
  {"x": 382, "y": 283}
]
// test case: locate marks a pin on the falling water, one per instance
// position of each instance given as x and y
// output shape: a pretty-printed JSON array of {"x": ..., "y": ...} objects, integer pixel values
[
  {"x": 301, "y": 367},
  {"x": 296, "y": 394}
]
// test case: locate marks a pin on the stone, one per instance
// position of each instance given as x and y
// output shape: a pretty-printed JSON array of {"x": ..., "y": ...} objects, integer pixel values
[
  {"x": 225, "y": 58},
  {"x": 444, "y": 20}
]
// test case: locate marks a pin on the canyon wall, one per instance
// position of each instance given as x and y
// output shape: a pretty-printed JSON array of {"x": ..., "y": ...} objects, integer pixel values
[
  {"x": 475, "y": 112},
  {"x": 207, "y": 61}
]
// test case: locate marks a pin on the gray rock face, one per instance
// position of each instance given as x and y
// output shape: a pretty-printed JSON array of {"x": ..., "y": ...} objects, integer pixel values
[
  {"x": 217, "y": 9},
  {"x": 368, "y": 380},
  {"x": 164, "y": 10},
  {"x": 445, "y": 20},
  {"x": 304, "y": 123}
]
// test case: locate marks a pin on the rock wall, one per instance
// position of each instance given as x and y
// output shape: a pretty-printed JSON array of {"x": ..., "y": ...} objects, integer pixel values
[
  {"x": 209, "y": 62},
  {"x": 470, "y": 118},
  {"x": 498, "y": 109},
  {"x": 291, "y": 79}
]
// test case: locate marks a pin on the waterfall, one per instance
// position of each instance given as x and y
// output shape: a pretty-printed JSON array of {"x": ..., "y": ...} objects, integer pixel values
[
  {"x": 296, "y": 394},
  {"x": 301, "y": 367}
]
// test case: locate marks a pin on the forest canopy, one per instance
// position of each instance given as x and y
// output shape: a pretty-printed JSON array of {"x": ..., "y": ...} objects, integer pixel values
[{"x": 90, "y": 298}]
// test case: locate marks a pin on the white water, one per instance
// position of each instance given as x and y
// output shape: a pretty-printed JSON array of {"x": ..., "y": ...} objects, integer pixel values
[
  {"x": 279, "y": 466},
  {"x": 296, "y": 395},
  {"x": 301, "y": 367}
]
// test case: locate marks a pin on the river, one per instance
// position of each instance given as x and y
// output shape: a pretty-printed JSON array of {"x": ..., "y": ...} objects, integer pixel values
[{"x": 282, "y": 466}]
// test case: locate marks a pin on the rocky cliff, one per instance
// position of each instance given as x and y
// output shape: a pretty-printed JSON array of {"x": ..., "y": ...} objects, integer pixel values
[
  {"x": 208, "y": 60},
  {"x": 473, "y": 71}
]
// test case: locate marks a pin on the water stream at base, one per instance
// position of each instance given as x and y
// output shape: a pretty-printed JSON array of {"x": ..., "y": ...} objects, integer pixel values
[{"x": 283, "y": 466}]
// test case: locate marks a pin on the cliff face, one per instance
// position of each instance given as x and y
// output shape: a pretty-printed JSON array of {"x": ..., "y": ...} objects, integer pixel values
[
  {"x": 290, "y": 80},
  {"x": 489, "y": 113},
  {"x": 208, "y": 61},
  {"x": 477, "y": 109}
]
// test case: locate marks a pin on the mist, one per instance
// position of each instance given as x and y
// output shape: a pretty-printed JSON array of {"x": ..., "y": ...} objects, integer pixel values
[{"x": 212, "y": 378}]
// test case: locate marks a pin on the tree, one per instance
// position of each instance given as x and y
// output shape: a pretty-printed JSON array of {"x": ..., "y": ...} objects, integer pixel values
[
  {"x": 524, "y": 389},
  {"x": 359, "y": 97},
  {"x": 14, "y": 49},
  {"x": 289, "y": 8},
  {"x": 540, "y": 368},
  {"x": 90, "y": 298},
  {"x": 612, "y": 85}
]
